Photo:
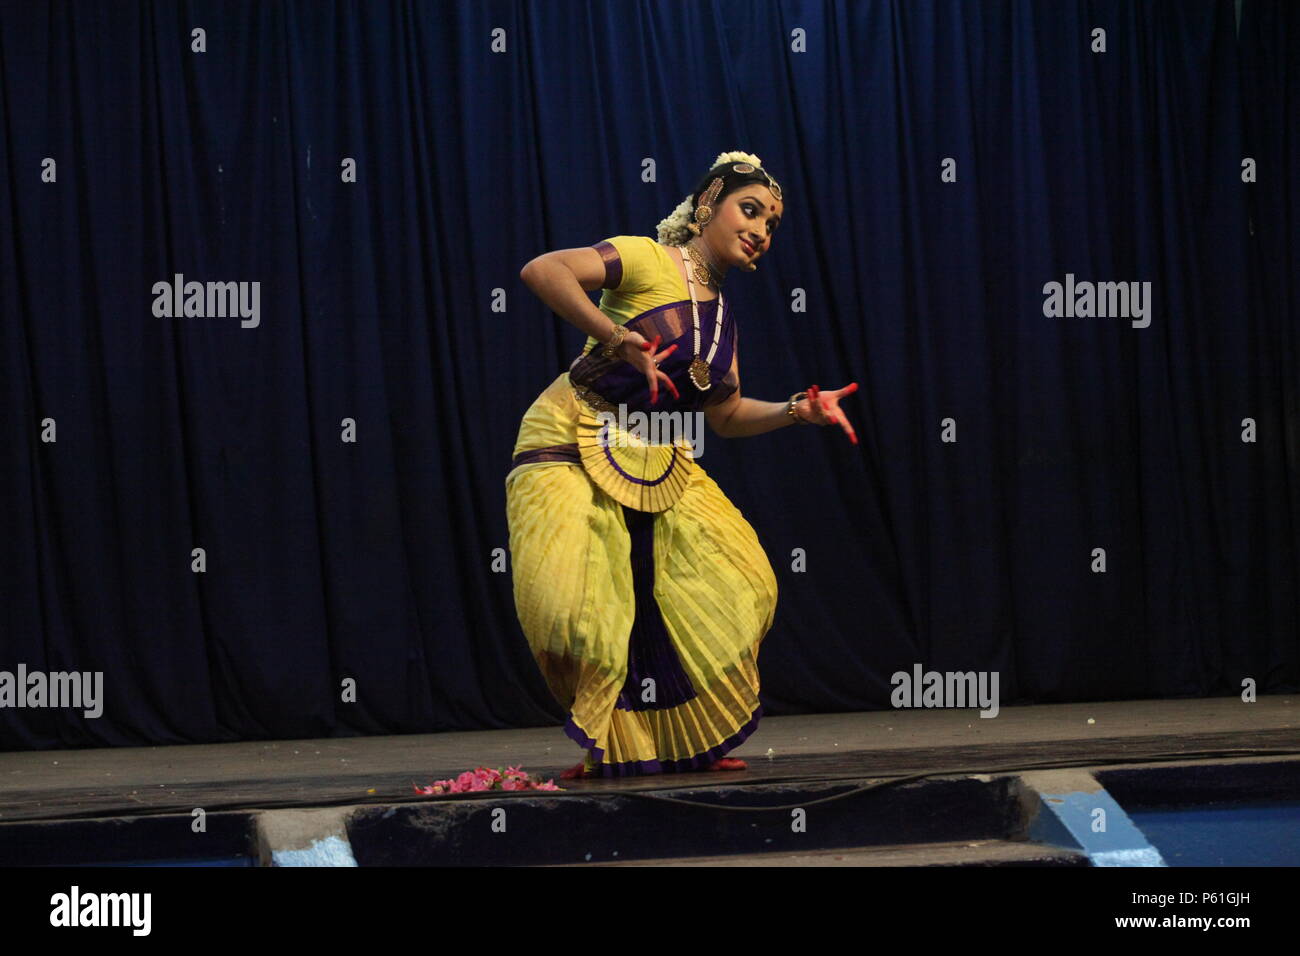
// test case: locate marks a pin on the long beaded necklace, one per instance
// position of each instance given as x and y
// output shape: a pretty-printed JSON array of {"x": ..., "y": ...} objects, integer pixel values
[{"x": 699, "y": 370}]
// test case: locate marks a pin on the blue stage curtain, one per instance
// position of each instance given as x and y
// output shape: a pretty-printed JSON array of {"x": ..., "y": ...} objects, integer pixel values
[{"x": 486, "y": 133}]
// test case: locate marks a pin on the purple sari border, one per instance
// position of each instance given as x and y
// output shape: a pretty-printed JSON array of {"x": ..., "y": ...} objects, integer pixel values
[
  {"x": 618, "y": 382},
  {"x": 613, "y": 264},
  {"x": 567, "y": 452},
  {"x": 580, "y": 736},
  {"x": 685, "y": 306},
  {"x": 632, "y": 768},
  {"x": 650, "y": 652},
  {"x": 648, "y": 482}
]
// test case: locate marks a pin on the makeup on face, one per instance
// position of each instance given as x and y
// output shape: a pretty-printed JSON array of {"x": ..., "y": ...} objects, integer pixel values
[{"x": 751, "y": 209}]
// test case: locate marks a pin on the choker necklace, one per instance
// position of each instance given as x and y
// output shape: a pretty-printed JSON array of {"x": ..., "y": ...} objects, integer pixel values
[
  {"x": 699, "y": 369},
  {"x": 705, "y": 273}
]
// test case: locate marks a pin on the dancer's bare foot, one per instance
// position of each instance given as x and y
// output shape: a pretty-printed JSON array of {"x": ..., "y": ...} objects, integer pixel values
[
  {"x": 575, "y": 773},
  {"x": 728, "y": 763}
]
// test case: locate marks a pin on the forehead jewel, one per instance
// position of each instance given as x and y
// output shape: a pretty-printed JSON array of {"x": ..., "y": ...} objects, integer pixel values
[{"x": 771, "y": 183}]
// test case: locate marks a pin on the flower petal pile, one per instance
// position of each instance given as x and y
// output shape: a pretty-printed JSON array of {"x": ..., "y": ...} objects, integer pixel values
[{"x": 485, "y": 778}]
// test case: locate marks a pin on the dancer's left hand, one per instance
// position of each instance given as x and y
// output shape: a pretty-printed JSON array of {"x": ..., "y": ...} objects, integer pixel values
[{"x": 824, "y": 408}]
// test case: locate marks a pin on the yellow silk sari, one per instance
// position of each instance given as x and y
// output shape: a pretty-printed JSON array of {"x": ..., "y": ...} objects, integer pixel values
[{"x": 645, "y": 625}]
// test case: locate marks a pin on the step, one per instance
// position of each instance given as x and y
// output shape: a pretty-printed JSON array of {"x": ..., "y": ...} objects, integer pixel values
[{"x": 976, "y": 853}]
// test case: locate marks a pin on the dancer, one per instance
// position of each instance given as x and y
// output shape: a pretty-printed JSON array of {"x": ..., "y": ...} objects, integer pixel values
[{"x": 643, "y": 592}]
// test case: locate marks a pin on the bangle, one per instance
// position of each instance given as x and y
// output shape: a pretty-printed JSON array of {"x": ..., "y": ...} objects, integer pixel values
[
  {"x": 789, "y": 408},
  {"x": 615, "y": 340}
]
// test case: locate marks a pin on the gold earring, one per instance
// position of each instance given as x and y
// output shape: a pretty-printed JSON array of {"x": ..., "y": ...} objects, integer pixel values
[{"x": 704, "y": 211}]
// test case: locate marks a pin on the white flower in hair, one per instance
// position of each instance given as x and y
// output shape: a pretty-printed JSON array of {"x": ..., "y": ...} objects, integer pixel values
[
  {"x": 672, "y": 229},
  {"x": 736, "y": 156}
]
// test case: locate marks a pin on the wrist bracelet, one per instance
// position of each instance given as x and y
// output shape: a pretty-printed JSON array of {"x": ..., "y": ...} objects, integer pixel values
[
  {"x": 611, "y": 347},
  {"x": 789, "y": 408}
]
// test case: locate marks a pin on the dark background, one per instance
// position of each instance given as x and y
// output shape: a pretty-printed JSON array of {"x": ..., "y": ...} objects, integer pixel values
[{"x": 373, "y": 560}]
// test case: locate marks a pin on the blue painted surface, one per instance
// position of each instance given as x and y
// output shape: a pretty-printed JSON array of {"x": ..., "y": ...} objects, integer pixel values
[
  {"x": 1265, "y": 834},
  {"x": 1068, "y": 820},
  {"x": 330, "y": 851}
]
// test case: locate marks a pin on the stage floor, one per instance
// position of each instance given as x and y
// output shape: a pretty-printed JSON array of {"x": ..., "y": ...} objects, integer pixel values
[{"x": 52, "y": 785}]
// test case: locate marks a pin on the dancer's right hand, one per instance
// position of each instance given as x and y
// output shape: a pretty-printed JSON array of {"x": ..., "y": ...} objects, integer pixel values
[{"x": 646, "y": 356}]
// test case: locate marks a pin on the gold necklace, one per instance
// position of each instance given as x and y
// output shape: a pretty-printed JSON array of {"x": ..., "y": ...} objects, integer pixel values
[{"x": 704, "y": 274}]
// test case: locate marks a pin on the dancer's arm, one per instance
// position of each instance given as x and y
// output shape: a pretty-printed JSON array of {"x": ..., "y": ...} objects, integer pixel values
[
  {"x": 739, "y": 417},
  {"x": 562, "y": 279}
]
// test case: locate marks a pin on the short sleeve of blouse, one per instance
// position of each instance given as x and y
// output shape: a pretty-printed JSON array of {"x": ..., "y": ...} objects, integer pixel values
[{"x": 631, "y": 263}]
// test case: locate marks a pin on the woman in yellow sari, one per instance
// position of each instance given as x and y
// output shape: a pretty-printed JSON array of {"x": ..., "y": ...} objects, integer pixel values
[{"x": 642, "y": 591}]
